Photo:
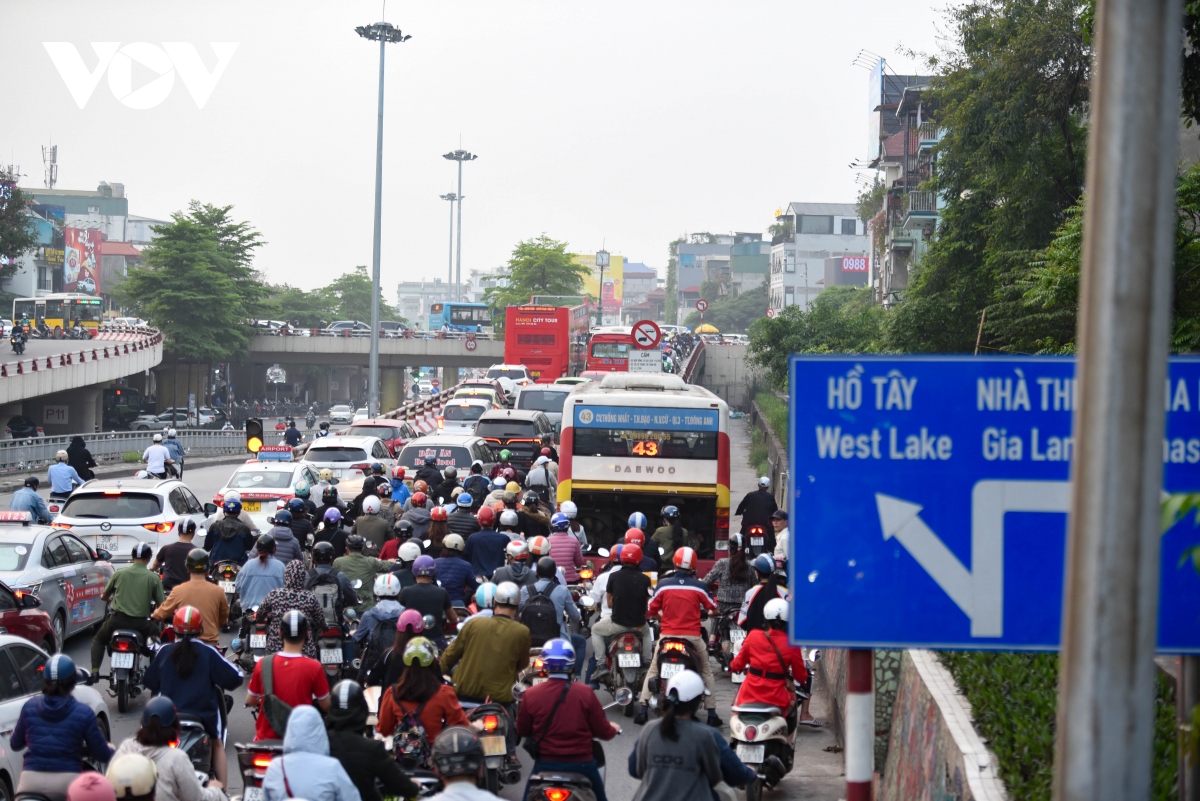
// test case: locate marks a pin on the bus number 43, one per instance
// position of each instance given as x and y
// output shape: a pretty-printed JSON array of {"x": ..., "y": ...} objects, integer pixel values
[{"x": 645, "y": 449}]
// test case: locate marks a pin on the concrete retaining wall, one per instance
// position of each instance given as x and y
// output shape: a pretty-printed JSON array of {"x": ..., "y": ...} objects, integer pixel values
[{"x": 726, "y": 374}]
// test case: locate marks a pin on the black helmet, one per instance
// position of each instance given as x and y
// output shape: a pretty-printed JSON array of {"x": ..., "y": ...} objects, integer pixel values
[
  {"x": 265, "y": 544},
  {"x": 531, "y": 499},
  {"x": 325, "y": 424},
  {"x": 197, "y": 560},
  {"x": 294, "y": 625},
  {"x": 450, "y": 472},
  {"x": 457, "y": 752},
  {"x": 405, "y": 527},
  {"x": 670, "y": 512},
  {"x": 347, "y": 704},
  {"x": 162, "y": 708},
  {"x": 322, "y": 553},
  {"x": 355, "y": 542},
  {"x": 32, "y": 481},
  {"x": 187, "y": 526},
  {"x": 329, "y": 496},
  {"x": 142, "y": 551},
  {"x": 546, "y": 568}
]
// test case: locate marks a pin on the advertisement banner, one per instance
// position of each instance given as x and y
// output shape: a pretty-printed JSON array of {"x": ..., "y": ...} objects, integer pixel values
[
  {"x": 614, "y": 280},
  {"x": 81, "y": 262}
]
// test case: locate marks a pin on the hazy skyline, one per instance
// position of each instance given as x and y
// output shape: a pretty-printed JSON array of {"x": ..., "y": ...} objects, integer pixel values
[{"x": 622, "y": 125}]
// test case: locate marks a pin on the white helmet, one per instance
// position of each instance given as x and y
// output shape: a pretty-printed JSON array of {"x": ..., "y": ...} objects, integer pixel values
[
  {"x": 765, "y": 482},
  {"x": 541, "y": 460},
  {"x": 158, "y": 437},
  {"x": 507, "y": 593},
  {"x": 509, "y": 518},
  {"x": 685, "y": 686},
  {"x": 233, "y": 495},
  {"x": 776, "y": 609},
  {"x": 453, "y": 542},
  {"x": 61, "y": 456},
  {"x": 408, "y": 551},
  {"x": 387, "y": 585},
  {"x": 171, "y": 432},
  {"x": 517, "y": 549},
  {"x": 569, "y": 509},
  {"x": 371, "y": 505}
]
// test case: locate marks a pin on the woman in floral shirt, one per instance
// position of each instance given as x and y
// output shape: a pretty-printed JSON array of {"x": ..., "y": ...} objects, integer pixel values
[{"x": 292, "y": 596}]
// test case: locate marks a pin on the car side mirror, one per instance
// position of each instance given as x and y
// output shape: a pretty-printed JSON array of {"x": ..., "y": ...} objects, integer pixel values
[
  {"x": 103, "y": 555},
  {"x": 210, "y": 509},
  {"x": 30, "y": 601}
]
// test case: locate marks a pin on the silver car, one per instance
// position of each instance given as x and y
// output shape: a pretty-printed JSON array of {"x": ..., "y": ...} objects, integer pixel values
[{"x": 66, "y": 575}]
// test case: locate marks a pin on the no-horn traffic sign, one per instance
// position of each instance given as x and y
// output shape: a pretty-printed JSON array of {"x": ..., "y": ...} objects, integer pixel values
[{"x": 646, "y": 334}]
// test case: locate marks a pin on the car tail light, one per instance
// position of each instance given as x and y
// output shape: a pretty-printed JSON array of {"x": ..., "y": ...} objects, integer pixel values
[
  {"x": 751, "y": 733},
  {"x": 112, "y": 492},
  {"x": 361, "y": 466},
  {"x": 673, "y": 646},
  {"x": 490, "y": 722},
  {"x": 159, "y": 528},
  {"x": 441, "y": 422},
  {"x": 57, "y": 524},
  {"x": 557, "y": 793}
]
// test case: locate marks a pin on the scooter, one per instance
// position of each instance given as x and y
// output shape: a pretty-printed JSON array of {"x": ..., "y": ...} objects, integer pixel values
[
  {"x": 253, "y": 761},
  {"x": 125, "y": 651},
  {"x": 627, "y": 669},
  {"x": 18, "y": 344},
  {"x": 193, "y": 741},
  {"x": 501, "y": 766},
  {"x": 251, "y": 644},
  {"x": 726, "y": 642},
  {"x": 674, "y": 656},
  {"x": 330, "y": 649},
  {"x": 56, "y": 503},
  {"x": 310, "y": 421},
  {"x": 756, "y": 539},
  {"x": 225, "y": 574},
  {"x": 561, "y": 785}
]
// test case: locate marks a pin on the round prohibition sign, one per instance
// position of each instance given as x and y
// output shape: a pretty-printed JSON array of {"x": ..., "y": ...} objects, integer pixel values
[
  {"x": 770, "y": 312},
  {"x": 702, "y": 305},
  {"x": 471, "y": 344},
  {"x": 646, "y": 334}
]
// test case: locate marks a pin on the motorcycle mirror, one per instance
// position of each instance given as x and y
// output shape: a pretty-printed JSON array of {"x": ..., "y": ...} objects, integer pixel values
[
  {"x": 82, "y": 675},
  {"x": 815, "y": 655},
  {"x": 427, "y": 543},
  {"x": 429, "y": 621},
  {"x": 519, "y": 689},
  {"x": 357, "y": 583},
  {"x": 662, "y": 551},
  {"x": 603, "y": 552},
  {"x": 624, "y": 696}
]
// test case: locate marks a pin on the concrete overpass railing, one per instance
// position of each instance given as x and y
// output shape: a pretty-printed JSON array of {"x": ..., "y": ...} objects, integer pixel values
[
  {"x": 114, "y": 353},
  {"x": 29, "y": 454},
  {"x": 340, "y": 351}
]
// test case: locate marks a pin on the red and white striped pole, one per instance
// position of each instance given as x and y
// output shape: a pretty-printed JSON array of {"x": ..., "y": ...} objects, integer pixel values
[{"x": 860, "y": 724}]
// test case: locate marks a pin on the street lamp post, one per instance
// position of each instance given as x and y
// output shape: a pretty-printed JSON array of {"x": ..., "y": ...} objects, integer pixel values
[
  {"x": 450, "y": 270},
  {"x": 382, "y": 32},
  {"x": 460, "y": 156},
  {"x": 601, "y": 262}
]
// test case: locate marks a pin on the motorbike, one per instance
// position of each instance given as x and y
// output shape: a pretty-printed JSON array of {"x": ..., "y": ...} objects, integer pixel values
[
  {"x": 193, "y": 741},
  {"x": 225, "y": 574},
  {"x": 331, "y": 652},
  {"x": 727, "y": 641},
  {"x": 126, "y": 650},
  {"x": 253, "y": 761},
  {"x": 18, "y": 344},
  {"x": 310, "y": 421},
  {"x": 251, "y": 645},
  {"x": 674, "y": 656},
  {"x": 501, "y": 766},
  {"x": 627, "y": 670},
  {"x": 56, "y": 502},
  {"x": 756, "y": 539},
  {"x": 560, "y": 785}
]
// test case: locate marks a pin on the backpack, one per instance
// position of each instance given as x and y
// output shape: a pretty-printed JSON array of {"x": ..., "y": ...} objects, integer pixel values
[
  {"x": 540, "y": 616},
  {"x": 382, "y": 638},
  {"x": 477, "y": 486},
  {"x": 329, "y": 595},
  {"x": 410, "y": 744}
]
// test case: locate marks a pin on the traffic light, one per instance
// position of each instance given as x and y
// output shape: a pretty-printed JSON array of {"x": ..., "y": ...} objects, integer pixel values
[{"x": 254, "y": 435}]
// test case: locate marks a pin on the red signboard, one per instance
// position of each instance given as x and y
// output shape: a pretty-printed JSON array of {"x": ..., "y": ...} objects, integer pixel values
[
  {"x": 81, "y": 260},
  {"x": 854, "y": 264}
]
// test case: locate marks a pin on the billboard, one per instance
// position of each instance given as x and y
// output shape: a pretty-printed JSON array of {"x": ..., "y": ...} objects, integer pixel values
[
  {"x": 614, "y": 281},
  {"x": 81, "y": 260}
]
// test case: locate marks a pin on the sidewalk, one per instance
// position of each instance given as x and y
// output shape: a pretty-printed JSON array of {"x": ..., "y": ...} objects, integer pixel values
[
  {"x": 818, "y": 774},
  {"x": 14, "y": 481}
]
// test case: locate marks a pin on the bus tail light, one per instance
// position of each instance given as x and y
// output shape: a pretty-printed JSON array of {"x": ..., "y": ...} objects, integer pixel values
[{"x": 723, "y": 519}]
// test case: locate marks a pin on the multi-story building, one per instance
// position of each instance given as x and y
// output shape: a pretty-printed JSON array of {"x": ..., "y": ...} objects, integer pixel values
[
  {"x": 812, "y": 232},
  {"x": 640, "y": 281},
  {"x": 749, "y": 263},
  {"x": 413, "y": 298},
  {"x": 141, "y": 230}
]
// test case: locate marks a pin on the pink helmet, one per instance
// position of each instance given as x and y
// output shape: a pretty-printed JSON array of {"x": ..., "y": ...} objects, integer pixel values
[{"x": 410, "y": 620}]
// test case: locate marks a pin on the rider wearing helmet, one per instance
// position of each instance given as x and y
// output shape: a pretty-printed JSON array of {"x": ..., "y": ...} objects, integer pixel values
[
  {"x": 194, "y": 674},
  {"x": 485, "y": 548},
  {"x": 260, "y": 575},
  {"x": 171, "y": 559},
  {"x": 330, "y": 499},
  {"x": 389, "y": 509},
  {"x": 457, "y": 757},
  {"x": 627, "y": 593},
  {"x": 296, "y": 679},
  {"x": 564, "y": 548},
  {"x": 490, "y": 653},
  {"x": 229, "y": 538},
  {"x": 462, "y": 520},
  {"x": 445, "y": 488},
  {"x": 517, "y": 569},
  {"x": 565, "y": 609},
  {"x": 769, "y": 586},
  {"x": 357, "y": 566},
  {"x": 455, "y": 573},
  {"x": 541, "y": 481},
  {"x": 302, "y": 527},
  {"x": 535, "y": 521},
  {"x": 406, "y": 553},
  {"x": 477, "y": 483},
  {"x": 768, "y": 658},
  {"x": 400, "y": 489},
  {"x": 678, "y": 602},
  {"x": 377, "y": 627},
  {"x": 564, "y": 717},
  {"x": 63, "y": 478},
  {"x": 131, "y": 594},
  {"x": 485, "y": 601},
  {"x": 323, "y": 572},
  {"x": 671, "y": 534},
  {"x": 409, "y": 626},
  {"x": 418, "y": 515},
  {"x": 429, "y": 473},
  {"x": 756, "y": 510},
  {"x": 495, "y": 491},
  {"x": 569, "y": 509},
  {"x": 366, "y": 760},
  {"x": 199, "y": 593},
  {"x": 287, "y": 547},
  {"x": 304, "y": 492},
  {"x": 324, "y": 430},
  {"x": 331, "y": 531},
  {"x": 173, "y": 444},
  {"x": 505, "y": 463},
  {"x": 428, "y": 598},
  {"x": 650, "y": 560},
  {"x": 370, "y": 526},
  {"x": 676, "y": 756},
  {"x": 58, "y": 731},
  {"x": 420, "y": 690}
]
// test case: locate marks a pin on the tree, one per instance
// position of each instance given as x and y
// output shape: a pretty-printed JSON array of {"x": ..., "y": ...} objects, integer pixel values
[
  {"x": 734, "y": 315},
  {"x": 305, "y": 309},
  {"x": 671, "y": 299},
  {"x": 348, "y": 297},
  {"x": 236, "y": 244},
  {"x": 17, "y": 233},
  {"x": 539, "y": 266}
]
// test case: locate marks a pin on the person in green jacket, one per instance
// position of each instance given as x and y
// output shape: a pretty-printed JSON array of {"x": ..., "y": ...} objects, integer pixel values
[
  {"x": 671, "y": 534},
  {"x": 357, "y": 565}
]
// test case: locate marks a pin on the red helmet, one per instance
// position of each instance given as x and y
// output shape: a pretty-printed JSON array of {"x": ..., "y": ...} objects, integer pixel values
[
  {"x": 685, "y": 558},
  {"x": 418, "y": 499},
  {"x": 631, "y": 554},
  {"x": 438, "y": 513},
  {"x": 188, "y": 620},
  {"x": 486, "y": 517},
  {"x": 545, "y": 451},
  {"x": 635, "y": 536},
  {"x": 398, "y": 472},
  {"x": 420, "y": 486}
]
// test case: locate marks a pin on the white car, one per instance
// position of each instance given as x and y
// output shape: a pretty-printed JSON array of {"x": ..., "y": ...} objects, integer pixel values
[
  {"x": 426, "y": 386},
  {"x": 341, "y": 414},
  {"x": 116, "y": 514},
  {"x": 348, "y": 456},
  {"x": 359, "y": 414},
  {"x": 23, "y": 663},
  {"x": 261, "y": 484},
  {"x": 510, "y": 376},
  {"x": 460, "y": 414}
]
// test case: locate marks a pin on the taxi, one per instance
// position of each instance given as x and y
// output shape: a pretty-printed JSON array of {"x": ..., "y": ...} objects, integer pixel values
[{"x": 262, "y": 483}]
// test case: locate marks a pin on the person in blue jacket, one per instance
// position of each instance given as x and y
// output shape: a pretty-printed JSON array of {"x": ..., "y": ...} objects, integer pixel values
[
  {"x": 454, "y": 572},
  {"x": 306, "y": 770},
  {"x": 27, "y": 499},
  {"x": 57, "y": 730}
]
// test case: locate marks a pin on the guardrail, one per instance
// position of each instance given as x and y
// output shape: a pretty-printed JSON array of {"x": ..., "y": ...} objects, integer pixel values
[
  {"x": 694, "y": 360},
  {"x": 358, "y": 334},
  {"x": 422, "y": 415},
  {"x": 108, "y": 447},
  {"x": 110, "y": 341}
]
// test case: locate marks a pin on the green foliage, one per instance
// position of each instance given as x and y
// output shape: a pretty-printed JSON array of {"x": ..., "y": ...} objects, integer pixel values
[
  {"x": 236, "y": 243},
  {"x": 17, "y": 233},
  {"x": 758, "y": 452},
  {"x": 710, "y": 291},
  {"x": 1190, "y": 87},
  {"x": 842, "y": 319},
  {"x": 348, "y": 297},
  {"x": 775, "y": 411},
  {"x": 782, "y": 228},
  {"x": 539, "y": 266},
  {"x": 734, "y": 315},
  {"x": 671, "y": 301},
  {"x": 870, "y": 200},
  {"x": 131, "y": 457},
  {"x": 306, "y": 309}
]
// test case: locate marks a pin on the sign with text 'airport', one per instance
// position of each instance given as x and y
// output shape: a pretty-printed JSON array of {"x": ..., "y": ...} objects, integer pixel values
[{"x": 930, "y": 499}]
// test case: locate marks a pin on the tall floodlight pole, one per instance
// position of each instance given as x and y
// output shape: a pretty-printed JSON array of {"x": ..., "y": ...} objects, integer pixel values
[
  {"x": 382, "y": 32},
  {"x": 450, "y": 270},
  {"x": 460, "y": 156},
  {"x": 601, "y": 262}
]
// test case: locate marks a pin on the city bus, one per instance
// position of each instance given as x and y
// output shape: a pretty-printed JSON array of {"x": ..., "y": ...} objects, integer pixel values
[
  {"x": 551, "y": 341},
  {"x": 609, "y": 348},
  {"x": 636, "y": 442},
  {"x": 60, "y": 311},
  {"x": 476, "y": 317}
]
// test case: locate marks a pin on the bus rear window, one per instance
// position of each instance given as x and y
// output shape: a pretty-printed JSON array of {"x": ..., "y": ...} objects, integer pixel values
[
  {"x": 645, "y": 444},
  {"x": 610, "y": 350}
]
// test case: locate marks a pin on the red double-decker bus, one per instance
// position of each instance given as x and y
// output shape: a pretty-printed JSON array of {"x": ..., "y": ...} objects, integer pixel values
[{"x": 551, "y": 341}]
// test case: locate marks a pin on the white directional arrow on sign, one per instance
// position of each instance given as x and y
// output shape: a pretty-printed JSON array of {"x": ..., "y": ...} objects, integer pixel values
[{"x": 979, "y": 593}]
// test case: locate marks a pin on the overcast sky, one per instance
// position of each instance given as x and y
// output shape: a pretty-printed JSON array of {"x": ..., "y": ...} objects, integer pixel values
[{"x": 621, "y": 124}]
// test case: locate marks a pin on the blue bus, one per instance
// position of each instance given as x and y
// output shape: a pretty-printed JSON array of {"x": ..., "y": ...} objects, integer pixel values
[{"x": 461, "y": 317}]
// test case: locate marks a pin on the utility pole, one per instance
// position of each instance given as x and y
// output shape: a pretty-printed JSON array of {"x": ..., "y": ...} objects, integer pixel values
[
  {"x": 450, "y": 270},
  {"x": 601, "y": 262},
  {"x": 460, "y": 156},
  {"x": 382, "y": 32},
  {"x": 1106, "y": 712}
]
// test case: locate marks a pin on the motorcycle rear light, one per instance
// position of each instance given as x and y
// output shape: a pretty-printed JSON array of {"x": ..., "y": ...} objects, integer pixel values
[
  {"x": 751, "y": 733},
  {"x": 586, "y": 574},
  {"x": 122, "y": 645},
  {"x": 628, "y": 645},
  {"x": 160, "y": 528},
  {"x": 673, "y": 646},
  {"x": 490, "y": 722},
  {"x": 54, "y": 507},
  {"x": 262, "y": 761},
  {"x": 173, "y": 744},
  {"x": 557, "y": 793}
]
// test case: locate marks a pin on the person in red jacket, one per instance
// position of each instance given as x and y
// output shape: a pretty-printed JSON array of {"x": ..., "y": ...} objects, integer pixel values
[
  {"x": 563, "y": 717},
  {"x": 772, "y": 665}
]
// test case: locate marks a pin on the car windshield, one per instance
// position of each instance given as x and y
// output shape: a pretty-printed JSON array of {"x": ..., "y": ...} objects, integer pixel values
[
  {"x": 382, "y": 432},
  {"x": 340, "y": 409},
  {"x": 13, "y": 555},
  {"x": 112, "y": 504},
  {"x": 344, "y": 453},
  {"x": 542, "y": 400},
  {"x": 516, "y": 374},
  {"x": 452, "y": 456},
  {"x": 505, "y": 428},
  {"x": 464, "y": 412},
  {"x": 261, "y": 479}
]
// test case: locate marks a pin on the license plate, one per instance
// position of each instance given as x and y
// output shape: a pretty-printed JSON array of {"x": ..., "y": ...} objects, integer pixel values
[
  {"x": 629, "y": 660},
  {"x": 494, "y": 745},
  {"x": 751, "y": 753},
  {"x": 336, "y": 473},
  {"x": 258, "y": 641},
  {"x": 252, "y": 794},
  {"x": 107, "y": 543},
  {"x": 331, "y": 656},
  {"x": 736, "y": 635},
  {"x": 228, "y": 586},
  {"x": 122, "y": 661},
  {"x": 538, "y": 680},
  {"x": 756, "y": 541},
  {"x": 254, "y": 506},
  {"x": 670, "y": 669}
]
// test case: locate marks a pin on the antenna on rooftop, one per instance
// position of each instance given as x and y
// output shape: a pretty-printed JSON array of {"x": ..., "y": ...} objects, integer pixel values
[{"x": 50, "y": 160}]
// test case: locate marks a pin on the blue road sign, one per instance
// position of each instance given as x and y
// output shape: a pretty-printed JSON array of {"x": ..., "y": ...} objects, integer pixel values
[{"x": 929, "y": 501}]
